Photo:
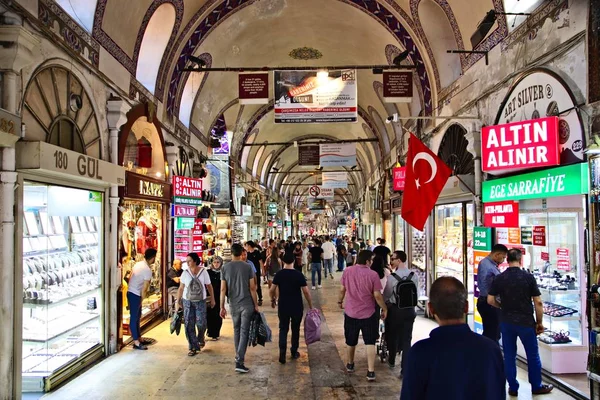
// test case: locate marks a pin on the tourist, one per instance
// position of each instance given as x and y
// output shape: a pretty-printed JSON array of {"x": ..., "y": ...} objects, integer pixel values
[
  {"x": 486, "y": 272},
  {"x": 328, "y": 254},
  {"x": 272, "y": 265},
  {"x": 341, "y": 257},
  {"x": 238, "y": 283},
  {"x": 213, "y": 319},
  {"x": 137, "y": 290},
  {"x": 314, "y": 257},
  {"x": 362, "y": 289},
  {"x": 259, "y": 263},
  {"x": 298, "y": 254},
  {"x": 305, "y": 257},
  {"x": 383, "y": 251},
  {"x": 195, "y": 281},
  {"x": 454, "y": 362}
]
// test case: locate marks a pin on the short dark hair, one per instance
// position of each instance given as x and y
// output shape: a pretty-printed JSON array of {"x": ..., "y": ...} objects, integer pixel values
[
  {"x": 237, "y": 250},
  {"x": 364, "y": 256},
  {"x": 514, "y": 255},
  {"x": 195, "y": 257},
  {"x": 499, "y": 248},
  {"x": 251, "y": 244},
  {"x": 289, "y": 258},
  {"x": 401, "y": 255},
  {"x": 382, "y": 241},
  {"x": 150, "y": 254},
  {"x": 448, "y": 297}
]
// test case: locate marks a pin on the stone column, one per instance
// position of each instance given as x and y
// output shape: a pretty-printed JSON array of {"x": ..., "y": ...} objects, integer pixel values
[{"x": 116, "y": 116}]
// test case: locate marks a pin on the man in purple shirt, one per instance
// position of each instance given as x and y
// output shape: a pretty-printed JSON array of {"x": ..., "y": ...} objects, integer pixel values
[{"x": 362, "y": 288}]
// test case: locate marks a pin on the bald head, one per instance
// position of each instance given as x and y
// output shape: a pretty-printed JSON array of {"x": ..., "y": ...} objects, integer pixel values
[
  {"x": 448, "y": 298},
  {"x": 177, "y": 264}
]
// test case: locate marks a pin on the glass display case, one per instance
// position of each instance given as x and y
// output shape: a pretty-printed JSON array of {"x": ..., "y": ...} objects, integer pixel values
[
  {"x": 62, "y": 278},
  {"x": 399, "y": 243}
]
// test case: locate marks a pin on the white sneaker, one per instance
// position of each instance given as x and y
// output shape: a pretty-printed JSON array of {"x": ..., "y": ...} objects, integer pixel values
[
  {"x": 320, "y": 286},
  {"x": 313, "y": 288}
]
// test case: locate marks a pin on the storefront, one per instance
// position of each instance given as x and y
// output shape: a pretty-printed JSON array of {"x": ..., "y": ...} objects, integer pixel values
[
  {"x": 63, "y": 223},
  {"x": 399, "y": 226},
  {"x": 187, "y": 213}
]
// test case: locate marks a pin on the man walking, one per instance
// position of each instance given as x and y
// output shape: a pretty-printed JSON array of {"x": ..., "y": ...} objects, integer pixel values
[
  {"x": 455, "y": 362},
  {"x": 487, "y": 271},
  {"x": 401, "y": 311},
  {"x": 315, "y": 255},
  {"x": 286, "y": 292},
  {"x": 255, "y": 256},
  {"x": 361, "y": 287},
  {"x": 238, "y": 282},
  {"x": 516, "y": 289},
  {"x": 328, "y": 253}
]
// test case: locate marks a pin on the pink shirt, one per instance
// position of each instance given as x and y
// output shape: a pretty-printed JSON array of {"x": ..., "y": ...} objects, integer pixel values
[{"x": 360, "y": 282}]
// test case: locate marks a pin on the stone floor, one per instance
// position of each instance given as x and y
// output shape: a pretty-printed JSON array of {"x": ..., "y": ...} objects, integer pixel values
[{"x": 165, "y": 371}]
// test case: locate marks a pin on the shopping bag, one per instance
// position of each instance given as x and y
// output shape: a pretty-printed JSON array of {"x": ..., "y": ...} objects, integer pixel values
[
  {"x": 264, "y": 332},
  {"x": 176, "y": 322},
  {"x": 312, "y": 326},
  {"x": 255, "y": 322}
]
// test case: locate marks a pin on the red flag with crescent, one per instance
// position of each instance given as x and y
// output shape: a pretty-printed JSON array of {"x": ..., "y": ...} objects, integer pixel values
[{"x": 426, "y": 175}]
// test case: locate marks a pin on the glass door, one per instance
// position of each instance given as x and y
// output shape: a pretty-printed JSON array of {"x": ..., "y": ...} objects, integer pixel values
[{"x": 62, "y": 279}]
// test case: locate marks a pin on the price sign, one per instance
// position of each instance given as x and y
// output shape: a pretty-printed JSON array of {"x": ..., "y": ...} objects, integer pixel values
[{"x": 482, "y": 238}]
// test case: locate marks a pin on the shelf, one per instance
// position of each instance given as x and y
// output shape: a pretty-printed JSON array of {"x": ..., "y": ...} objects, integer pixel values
[
  {"x": 62, "y": 301},
  {"x": 554, "y": 291},
  {"x": 83, "y": 324}
]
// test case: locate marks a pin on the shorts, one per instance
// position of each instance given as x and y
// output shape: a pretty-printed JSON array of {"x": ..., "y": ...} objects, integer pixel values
[{"x": 369, "y": 328}]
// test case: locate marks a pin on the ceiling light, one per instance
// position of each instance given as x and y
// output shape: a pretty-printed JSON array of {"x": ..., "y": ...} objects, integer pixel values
[
  {"x": 401, "y": 57},
  {"x": 323, "y": 75},
  {"x": 158, "y": 174}
]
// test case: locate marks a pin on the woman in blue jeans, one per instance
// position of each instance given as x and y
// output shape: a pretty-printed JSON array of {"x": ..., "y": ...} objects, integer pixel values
[{"x": 315, "y": 256}]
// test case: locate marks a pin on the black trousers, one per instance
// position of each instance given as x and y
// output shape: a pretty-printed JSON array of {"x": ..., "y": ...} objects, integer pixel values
[
  {"x": 398, "y": 332},
  {"x": 258, "y": 284},
  {"x": 284, "y": 325},
  {"x": 213, "y": 320},
  {"x": 490, "y": 317}
]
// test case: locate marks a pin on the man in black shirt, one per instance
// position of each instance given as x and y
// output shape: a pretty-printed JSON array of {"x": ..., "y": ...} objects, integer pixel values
[
  {"x": 383, "y": 251},
  {"x": 288, "y": 286},
  {"x": 516, "y": 289},
  {"x": 315, "y": 255},
  {"x": 257, "y": 259}
]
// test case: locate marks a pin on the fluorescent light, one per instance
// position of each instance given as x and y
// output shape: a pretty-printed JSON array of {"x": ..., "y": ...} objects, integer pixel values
[{"x": 322, "y": 75}]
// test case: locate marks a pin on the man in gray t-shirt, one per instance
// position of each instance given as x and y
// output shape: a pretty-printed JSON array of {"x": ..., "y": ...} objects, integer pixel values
[{"x": 238, "y": 283}]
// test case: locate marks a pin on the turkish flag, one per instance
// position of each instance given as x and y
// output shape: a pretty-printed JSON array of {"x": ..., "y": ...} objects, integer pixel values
[{"x": 426, "y": 176}]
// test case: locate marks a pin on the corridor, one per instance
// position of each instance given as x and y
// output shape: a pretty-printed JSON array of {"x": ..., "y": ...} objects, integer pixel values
[{"x": 165, "y": 370}]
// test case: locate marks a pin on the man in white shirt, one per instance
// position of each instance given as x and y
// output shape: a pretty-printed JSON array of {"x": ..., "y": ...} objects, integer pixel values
[
  {"x": 139, "y": 281},
  {"x": 328, "y": 253}
]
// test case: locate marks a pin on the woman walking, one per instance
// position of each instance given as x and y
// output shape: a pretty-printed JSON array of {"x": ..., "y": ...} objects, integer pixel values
[
  {"x": 298, "y": 257},
  {"x": 213, "y": 319},
  {"x": 273, "y": 265},
  {"x": 192, "y": 293}
]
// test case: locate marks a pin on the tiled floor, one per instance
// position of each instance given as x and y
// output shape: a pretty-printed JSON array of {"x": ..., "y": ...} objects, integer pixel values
[{"x": 165, "y": 371}]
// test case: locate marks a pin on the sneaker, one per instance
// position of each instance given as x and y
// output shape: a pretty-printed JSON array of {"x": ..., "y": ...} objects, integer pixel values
[
  {"x": 320, "y": 287},
  {"x": 241, "y": 368},
  {"x": 544, "y": 389},
  {"x": 392, "y": 366},
  {"x": 313, "y": 288},
  {"x": 371, "y": 376},
  {"x": 295, "y": 355},
  {"x": 350, "y": 367}
]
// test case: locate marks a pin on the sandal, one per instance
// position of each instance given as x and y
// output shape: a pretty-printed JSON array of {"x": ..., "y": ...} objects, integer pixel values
[
  {"x": 192, "y": 353},
  {"x": 140, "y": 347}
]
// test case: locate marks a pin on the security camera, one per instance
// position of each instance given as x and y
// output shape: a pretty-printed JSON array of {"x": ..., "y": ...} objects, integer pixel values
[{"x": 392, "y": 118}]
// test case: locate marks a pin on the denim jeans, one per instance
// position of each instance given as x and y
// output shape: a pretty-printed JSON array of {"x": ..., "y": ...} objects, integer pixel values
[
  {"x": 528, "y": 337},
  {"x": 340, "y": 262},
  {"x": 241, "y": 326},
  {"x": 194, "y": 317},
  {"x": 328, "y": 266},
  {"x": 315, "y": 269},
  {"x": 135, "y": 314}
]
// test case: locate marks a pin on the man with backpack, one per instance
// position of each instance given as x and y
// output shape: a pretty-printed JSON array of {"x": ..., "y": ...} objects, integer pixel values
[{"x": 400, "y": 296}]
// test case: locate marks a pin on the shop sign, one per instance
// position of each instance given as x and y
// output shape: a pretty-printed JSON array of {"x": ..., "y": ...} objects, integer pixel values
[
  {"x": 142, "y": 186},
  {"x": 482, "y": 238},
  {"x": 539, "y": 236},
  {"x": 319, "y": 97},
  {"x": 184, "y": 186},
  {"x": 42, "y": 156},
  {"x": 10, "y": 123},
  {"x": 541, "y": 94},
  {"x": 187, "y": 200},
  {"x": 184, "y": 223},
  {"x": 325, "y": 193},
  {"x": 503, "y": 214},
  {"x": 316, "y": 204},
  {"x": 272, "y": 209},
  {"x": 398, "y": 86},
  {"x": 334, "y": 180},
  {"x": 399, "y": 178},
  {"x": 308, "y": 155},
  {"x": 555, "y": 182},
  {"x": 527, "y": 235},
  {"x": 508, "y": 236},
  {"x": 545, "y": 256},
  {"x": 246, "y": 210},
  {"x": 183, "y": 211},
  {"x": 337, "y": 154},
  {"x": 253, "y": 88},
  {"x": 197, "y": 239},
  {"x": 563, "y": 261},
  {"x": 520, "y": 145}
]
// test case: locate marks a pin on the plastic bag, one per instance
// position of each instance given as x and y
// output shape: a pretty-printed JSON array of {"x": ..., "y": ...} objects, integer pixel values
[
  {"x": 264, "y": 332},
  {"x": 312, "y": 326},
  {"x": 176, "y": 322},
  {"x": 253, "y": 331}
]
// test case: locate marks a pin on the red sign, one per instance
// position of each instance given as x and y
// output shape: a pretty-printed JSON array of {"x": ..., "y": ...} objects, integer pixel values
[
  {"x": 397, "y": 86},
  {"x": 562, "y": 252},
  {"x": 563, "y": 261},
  {"x": 253, "y": 88},
  {"x": 545, "y": 256},
  {"x": 399, "y": 178},
  {"x": 539, "y": 236},
  {"x": 184, "y": 211},
  {"x": 503, "y": 214},
  {"x": 187, "y": 187},
  {"x": 520, "y": 145},
  {"x": 197, "y": 237}
]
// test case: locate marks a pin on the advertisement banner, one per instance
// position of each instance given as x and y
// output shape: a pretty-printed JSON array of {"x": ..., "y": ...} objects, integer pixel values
[
  {"x": 335, "y": 180},
  {"x": 315, "y": 96},
  {"x": 272, "y": 209},
  {"x": 520, "y": 145},
  {"x": 555, "y": 182},
  {"x": 398, "y": 86},
  {"x": 337, "y": 155},
  {"x": 187, "y": 187},
  {"x": 224, "y": 140},
  {"x": 539, "y": 236},
  {"x": 482, "y": 245},
  {"x": 316, "y": 204},
  {"x": 563, "y": 261},
  {"x": 219, "y": 181},
  {"x": 308, "y": 155},
  {"x": 502, "y": 214},
  {"x": 399, "y": 174},
  {"x": 482, "y": 238},
  {"x": 183, "y": 211},
  {"x": 197, "y": 239},
  {"x": 253, "y": 88}
]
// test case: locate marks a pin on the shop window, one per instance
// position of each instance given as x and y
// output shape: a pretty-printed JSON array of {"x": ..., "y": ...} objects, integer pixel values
[
  {"x": 81, "y": 11},
  {"x": 156, "y": 36},
  {"x": 64, "y": 133}
]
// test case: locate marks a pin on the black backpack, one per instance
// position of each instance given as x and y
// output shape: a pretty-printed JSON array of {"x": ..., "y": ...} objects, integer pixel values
[{"x": 405, "y": 291}]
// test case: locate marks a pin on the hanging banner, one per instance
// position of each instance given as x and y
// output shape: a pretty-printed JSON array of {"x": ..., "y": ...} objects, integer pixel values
[
  {"x": 335, "y": 180},
  {"x": 184, "y": 186},
  {"x": 399, "y": 174},
  {"x": 540, "y": 94},
  {"x": 520, "y": 145},
  {"x": 337, "y": 154},
  {"x": 316, "y": 204},
  {"x": 225, "y": 145},
  {"x": 183, "y": 211},
  {"x": 308, "y": 155},
  {"x": 316, "y": 96},
  {"x": 253, "y": 88},
  {"x": 398, "y": 86},
  {"x": 503, "y": 214},
  {"x": 272, "y": 209},
  {"x": 326, "y": 193},
  {"x": 219, "y": 181}
]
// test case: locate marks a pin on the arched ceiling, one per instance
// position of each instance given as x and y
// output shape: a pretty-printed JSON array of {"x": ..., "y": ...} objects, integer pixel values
[{"x": 253, "y": 33}]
